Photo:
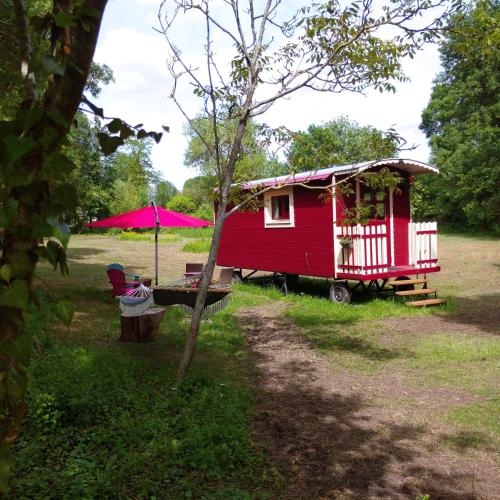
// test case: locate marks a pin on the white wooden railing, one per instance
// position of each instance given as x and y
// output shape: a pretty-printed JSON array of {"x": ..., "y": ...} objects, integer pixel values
[
  {"x": 422, "y": 244},
  {"x": 368, "y": 253}
]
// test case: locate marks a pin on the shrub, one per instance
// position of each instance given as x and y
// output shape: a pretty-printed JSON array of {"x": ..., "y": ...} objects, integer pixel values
[
  {"x": 197, "y": 246},
  {"x": 134, "y": 237},
  {"x": 181, "y": 203},
  {"x": 190, "y": 232},
  {"x": 205, "y": 212},
  {"x": 107, "y": 422}
]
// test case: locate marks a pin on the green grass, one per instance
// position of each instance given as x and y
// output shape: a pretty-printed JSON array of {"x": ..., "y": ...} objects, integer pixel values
[
  {"x": 460, "y": 230},
  {"x": 354, "y": 338},
  {"x": 347, "y": 334},
  {"x": 190, "y": 232},
  {"x": 478, "y": 425},
  {"x": 486, "y": 413},
  {"x": 163, "y": 238},
  {"x": 105, "y": 419},
  {"x": 465, "y": 362},
  {"x": 134, "y": 237},
  {"x": 197, "y": 246}
]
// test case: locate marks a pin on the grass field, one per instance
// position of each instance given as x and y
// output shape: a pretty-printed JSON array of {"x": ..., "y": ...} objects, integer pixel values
[{"x": 105, "y": 419}]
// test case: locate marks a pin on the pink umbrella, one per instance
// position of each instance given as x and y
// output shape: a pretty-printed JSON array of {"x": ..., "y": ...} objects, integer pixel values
[{"x": 152, "y": 216}]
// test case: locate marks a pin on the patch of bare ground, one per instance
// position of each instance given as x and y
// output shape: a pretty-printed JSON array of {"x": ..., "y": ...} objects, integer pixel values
[{"x": 331, "y": 435}]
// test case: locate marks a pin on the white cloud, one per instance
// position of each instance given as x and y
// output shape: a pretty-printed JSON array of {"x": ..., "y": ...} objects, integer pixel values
[{"x": 137, "y": 56}]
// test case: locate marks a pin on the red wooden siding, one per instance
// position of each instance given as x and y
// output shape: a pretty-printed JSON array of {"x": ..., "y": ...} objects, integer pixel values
[
  {"x": 401, "y": 214},
  {"x": 305, "y": 249}
]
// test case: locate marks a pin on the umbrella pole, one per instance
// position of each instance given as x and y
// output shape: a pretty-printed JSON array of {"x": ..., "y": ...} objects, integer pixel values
[{"x": 157, "y": 225}]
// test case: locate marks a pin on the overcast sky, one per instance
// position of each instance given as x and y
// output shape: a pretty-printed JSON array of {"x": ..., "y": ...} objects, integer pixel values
[{"x": 137, "y": 55}]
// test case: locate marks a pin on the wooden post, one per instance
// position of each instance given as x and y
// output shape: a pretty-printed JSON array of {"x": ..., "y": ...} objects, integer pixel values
[
  {"x": 157, "y": 228},
  {"x": 141, "y": 328}
]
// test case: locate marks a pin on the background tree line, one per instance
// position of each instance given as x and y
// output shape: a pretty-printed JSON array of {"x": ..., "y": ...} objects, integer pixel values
[
  {"x": 107, "y": 185},
  {"x": 461, "y": 122}
]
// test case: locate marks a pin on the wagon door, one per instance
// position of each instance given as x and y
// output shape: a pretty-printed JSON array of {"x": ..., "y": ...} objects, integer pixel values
[
  {"x": 379, "y": 202},
  {"x": 400, "y": 212}
]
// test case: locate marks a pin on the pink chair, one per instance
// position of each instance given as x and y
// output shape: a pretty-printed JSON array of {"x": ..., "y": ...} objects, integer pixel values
[
  {"x": 193, "y": 270},
  {"x": 120, "y": 286}
]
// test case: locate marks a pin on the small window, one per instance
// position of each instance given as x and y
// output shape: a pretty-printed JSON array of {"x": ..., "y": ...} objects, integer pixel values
[{"x": 278, "y": 208}]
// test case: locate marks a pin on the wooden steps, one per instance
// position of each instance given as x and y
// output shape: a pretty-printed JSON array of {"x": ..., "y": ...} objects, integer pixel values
[
  {"x": 406, "y": 282},
  {"x": 420, "y": 291},
  {"x": 426, "y": 302},
  {"x": 405, "y": 294}
]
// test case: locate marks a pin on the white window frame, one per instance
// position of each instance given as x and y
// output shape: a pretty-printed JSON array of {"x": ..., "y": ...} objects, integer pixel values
[{"x": 269, "y": 222}]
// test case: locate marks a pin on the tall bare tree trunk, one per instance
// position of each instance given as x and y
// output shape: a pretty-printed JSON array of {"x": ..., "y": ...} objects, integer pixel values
[{"x": 194, "y": 326}]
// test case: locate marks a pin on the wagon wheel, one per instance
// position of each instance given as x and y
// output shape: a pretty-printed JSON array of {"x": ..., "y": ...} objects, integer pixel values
[
  {"x": 340, "y": 293},
  {"x": 402, "y": 288}
]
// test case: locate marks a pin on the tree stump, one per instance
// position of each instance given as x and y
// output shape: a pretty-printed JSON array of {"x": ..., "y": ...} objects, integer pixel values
[{"x": 141, "y": 328}]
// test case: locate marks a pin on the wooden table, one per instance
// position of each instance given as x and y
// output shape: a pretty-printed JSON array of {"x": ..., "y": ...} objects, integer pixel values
[{"x": 143, "y": 327}]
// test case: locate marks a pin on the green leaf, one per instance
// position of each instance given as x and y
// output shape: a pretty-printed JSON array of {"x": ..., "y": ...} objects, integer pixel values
[
  {"x": 56, "y": 117},
  {"x": 156, "y": 136},
  {"x": 115, "y": 125},
  {"x": 16, "y": 296},
  {"x": 64, "y": 310},
  {"x": 21, "y": 266},
  {"x": 57, "y": 166},
  {"x": 19, "y": 348},
  {"x": 126, "y": 132},
  {"x": 55, "y": 254},
  {"x": 8, "y": 211},
  {"x": 27, "y": 118},
  {"x": 66, "y": 195},
  {"x": 63, "y": 19},
  {"x": 51, "y": 66},
  {"x": 4, "y": 467},
  {"x": 41, "y": 230},
  {"x": 16, "y": 382},
  {"x": 6, "y": 272},
  {"x": 17, "y": 148},
  {"x": 109, "y": 144},
  {"x": 42, "y": 252},
  {"x": 53, "y": 249},
  {"x": 60, "y": 231}
]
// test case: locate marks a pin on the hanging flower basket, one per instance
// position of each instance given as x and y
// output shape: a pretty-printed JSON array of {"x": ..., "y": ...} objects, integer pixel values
[{"x": 345, "y": 242}]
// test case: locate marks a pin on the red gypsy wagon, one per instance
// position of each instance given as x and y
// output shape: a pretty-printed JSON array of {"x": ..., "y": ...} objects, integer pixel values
[{"x": 300, "y": 231}]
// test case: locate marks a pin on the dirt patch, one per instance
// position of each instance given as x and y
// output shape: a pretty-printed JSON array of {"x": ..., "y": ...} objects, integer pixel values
[{"x": 330, "y": 435}]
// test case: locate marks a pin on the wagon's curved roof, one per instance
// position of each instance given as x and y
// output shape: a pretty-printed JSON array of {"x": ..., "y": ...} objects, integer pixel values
[{"x": 412, "y": 166}]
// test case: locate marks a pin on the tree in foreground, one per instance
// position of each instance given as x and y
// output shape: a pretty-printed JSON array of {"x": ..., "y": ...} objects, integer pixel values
[
  {"x": 36, "y": 188},
  {"x": 326, "y": 46},
  {"x": 462, "y": 124}
]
